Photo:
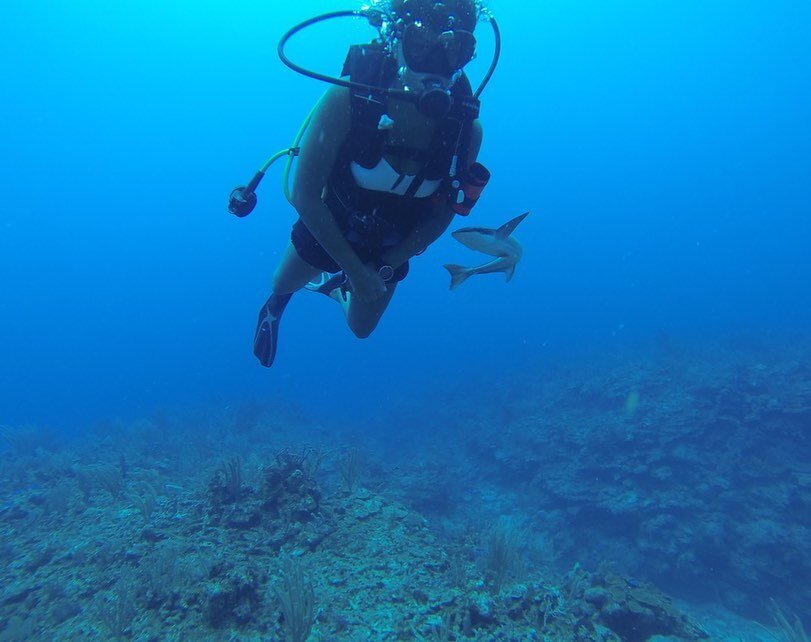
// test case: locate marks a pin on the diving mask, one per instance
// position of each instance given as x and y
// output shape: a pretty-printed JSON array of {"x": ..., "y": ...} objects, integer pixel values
[
  {"x": 442, "y": 53},
  {"x": 430, "y": 62}
]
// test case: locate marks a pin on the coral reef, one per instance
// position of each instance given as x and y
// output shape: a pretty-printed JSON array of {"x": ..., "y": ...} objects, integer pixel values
[
  {"x": 548, "y": 515},
  {"x": 688, "y": 468}
]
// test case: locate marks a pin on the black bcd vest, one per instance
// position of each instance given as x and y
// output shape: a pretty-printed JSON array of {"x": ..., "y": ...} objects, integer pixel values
[{"x": 366, "y": 143}]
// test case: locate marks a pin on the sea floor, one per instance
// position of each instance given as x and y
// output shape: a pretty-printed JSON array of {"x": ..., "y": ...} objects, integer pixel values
[{"x": 636, "y": 499}]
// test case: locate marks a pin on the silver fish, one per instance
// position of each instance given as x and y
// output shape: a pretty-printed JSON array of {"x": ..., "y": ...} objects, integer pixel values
[{"x": 496, "y": 243}]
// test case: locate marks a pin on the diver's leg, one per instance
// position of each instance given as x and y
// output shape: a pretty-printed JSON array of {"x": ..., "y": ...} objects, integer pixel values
[
  {"x": 292, "y": 274},
  {"x": 363, "y": 316}
]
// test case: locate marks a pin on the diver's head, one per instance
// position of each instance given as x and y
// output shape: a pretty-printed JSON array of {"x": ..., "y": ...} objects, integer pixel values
[
  {"x": 434, "y": 42},
  {"x": 436, "y": 37}
]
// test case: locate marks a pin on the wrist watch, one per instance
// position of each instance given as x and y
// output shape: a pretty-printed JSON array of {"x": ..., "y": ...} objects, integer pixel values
[{"x": 386, "y": 272}]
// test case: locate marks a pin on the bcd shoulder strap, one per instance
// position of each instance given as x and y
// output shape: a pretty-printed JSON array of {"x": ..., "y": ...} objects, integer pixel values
[{"x": 367, "y": 64}]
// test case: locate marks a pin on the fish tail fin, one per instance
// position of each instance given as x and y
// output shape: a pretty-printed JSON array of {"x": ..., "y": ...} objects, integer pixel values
[
  {"x": 509, "y": 272},
  {"x": 459, "y": 273}
]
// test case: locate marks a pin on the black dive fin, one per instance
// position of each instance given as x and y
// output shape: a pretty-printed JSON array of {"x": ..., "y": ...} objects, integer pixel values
[{"x": 267, "y": 328}]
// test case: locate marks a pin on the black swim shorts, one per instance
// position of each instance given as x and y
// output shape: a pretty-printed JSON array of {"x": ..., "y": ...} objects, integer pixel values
[{"x": 311, "y": 251}]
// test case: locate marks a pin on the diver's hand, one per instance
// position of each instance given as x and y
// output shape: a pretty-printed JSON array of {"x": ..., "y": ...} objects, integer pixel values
[{"x": 366, "y": 284}]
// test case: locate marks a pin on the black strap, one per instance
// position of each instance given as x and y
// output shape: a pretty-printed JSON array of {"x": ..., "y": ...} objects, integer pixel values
[
  {"x": 417, "y": 181},
  {"x": 468, "y": 111}
]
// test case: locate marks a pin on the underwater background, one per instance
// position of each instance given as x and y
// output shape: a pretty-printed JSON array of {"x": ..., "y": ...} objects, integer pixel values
[{"x": 624, "y": 424}]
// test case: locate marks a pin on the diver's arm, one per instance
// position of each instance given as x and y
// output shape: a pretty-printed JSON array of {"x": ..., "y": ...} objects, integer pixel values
[
  {"x": 426, "y": 232},
  {"x": 436, "y": 222},
  {"x": 328, "y": 129}
]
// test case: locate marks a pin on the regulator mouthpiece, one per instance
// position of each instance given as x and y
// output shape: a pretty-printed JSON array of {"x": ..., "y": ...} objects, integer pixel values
[{"x": 435, "y": 101}]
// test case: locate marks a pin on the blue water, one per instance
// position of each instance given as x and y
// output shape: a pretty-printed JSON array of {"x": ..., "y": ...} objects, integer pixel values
[{"x": 663, "y": 150}]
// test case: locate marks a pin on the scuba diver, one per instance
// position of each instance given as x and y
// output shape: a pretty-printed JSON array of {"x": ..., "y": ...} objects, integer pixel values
[{"x": 387, "y": 159}]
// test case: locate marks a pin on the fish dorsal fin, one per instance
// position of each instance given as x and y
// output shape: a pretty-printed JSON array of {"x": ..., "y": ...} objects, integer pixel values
[{"x": 509, "y": 227}]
